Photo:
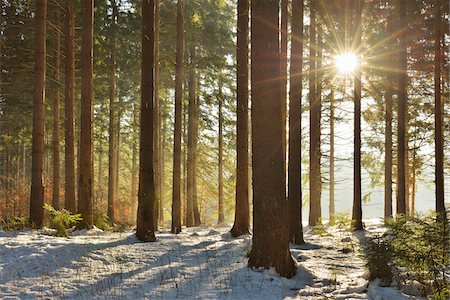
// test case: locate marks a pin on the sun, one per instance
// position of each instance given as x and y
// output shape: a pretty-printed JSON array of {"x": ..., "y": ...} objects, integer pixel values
[{"x": 346, "y": 63}]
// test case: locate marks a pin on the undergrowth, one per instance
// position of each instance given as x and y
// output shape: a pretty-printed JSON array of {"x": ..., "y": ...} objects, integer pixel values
[{"x": 61, "y": 220}]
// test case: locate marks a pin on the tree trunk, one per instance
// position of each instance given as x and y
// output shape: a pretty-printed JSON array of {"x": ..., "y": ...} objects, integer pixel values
[
  {"x": 332, "y": 209},
  {"x": 270, "y": 246},
  {"x": 56, "y": 110},
  {"x": 162, "y": 174},
  {"x": 176, "y": 193},
  {"x": 191, "y": 136},
  {"x": 37, "y": 187},
  {"x": 295, "y": 126},
  {"x": 221, "y": 215},
  {"x": 438, "y": 114},
  {"x": 388, "y": 133},
  {"x": 242, "y": 214},
  {"x": 357, "y": 199},
  {"x": 85, "y": 185},
  {"x": 157, "y": 126},
  {"x": 145, "y": 230},
  {"x": 314, "y": 121},
  {"x": 69, "y": 159},
  {"x": 112, "y": 152},
  {"x": 195, "y": 203},
  {"x": 402, "y": 104},
  {"x": 134, "y": 164},
  {"x": 283, "y": 68}
]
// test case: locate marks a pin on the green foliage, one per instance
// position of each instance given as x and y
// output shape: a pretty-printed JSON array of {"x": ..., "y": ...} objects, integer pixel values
[
  {"x": 344, "y": 222},
  {"x": 13, "y": 223},
  {"x": 101, "y": 221},
  {"x": 61, "y": 220},
  {"x": 379, "y": 255},
  {"x": 420, "y": 246}
]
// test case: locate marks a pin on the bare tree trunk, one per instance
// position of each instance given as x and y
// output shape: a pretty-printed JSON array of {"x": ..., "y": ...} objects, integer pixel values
[
  {"x": 176, "y": 193},
  {"x": 37, "y": 187},
  {"x": 283, "y": 67},
  {"x": 221, "y": 215},
  {"x": 112, "y": 152},
  {"x": 157, "y": 125},
  {"x": 196, "y": 203},
  {"x": 357, "y": 198},
  {"x": 56, "y": 110},
  {"x": 438, "y": 115},
  {"x": 242, "y": 214},
  {"x": 388, "y": 134},
  {"x": 145, "y": 230},
  {"x": 190, "y": 138},
  {"x": 295, "y": 125},
  {"x": 332, "y": 209},
  {"x": 85, "y": 186},
  {"x": 270, "y": 246},
  {"x": 69, "y": 157},
  {"x": 402, "y": 108},
  {"x": 162, "y": 174},
  {"x": 314, "y": 121},
  {"x": 134, "y": 164}
]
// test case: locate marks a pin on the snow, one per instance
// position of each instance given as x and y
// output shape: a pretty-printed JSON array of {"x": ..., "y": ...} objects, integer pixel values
[{"x": 199, "y": 263}]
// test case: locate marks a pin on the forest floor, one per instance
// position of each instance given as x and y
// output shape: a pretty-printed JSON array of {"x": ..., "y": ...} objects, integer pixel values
[{"x": 199, "y": 263}]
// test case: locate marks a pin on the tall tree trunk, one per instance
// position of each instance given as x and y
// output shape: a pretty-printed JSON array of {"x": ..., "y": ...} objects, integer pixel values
[
  {"x": 190, "y": 139},
  {"x": 157, "y": 125},
  {"x": 145, "y": 230},
  {"x": 196, "y": 203},
  {"x": 112, "y": 152},
  {"x": 295, "y": 125},
  {"x": 388, "y": 133},
  {"x": 242, "y": 214},
  {"x": 99, "y": 197},
  {"x": 56, "y": 110},
  {"x": 283, "y": 67},
  {"x": 332, "y": 209},
  {"x": 162, "y": 170},
  {"x": 134, "y": 164},
  {"x": 176, "y": 193},
  {"x": 413, "y": 183},
  {"x": 357, "y": 198},
  {"x": 314, "y": 121},
  {"x": 37, "y": 187},
  {"x": 270, "y": 246},
  {"x": 184, "y": 153},
  {"x": 438, "y": 114},
  {"x": 69, "y": 159},
  {"x": 402, "y": 107},
  {"x": 221, "y": 215},
  {"x": 85, "y": 185}
]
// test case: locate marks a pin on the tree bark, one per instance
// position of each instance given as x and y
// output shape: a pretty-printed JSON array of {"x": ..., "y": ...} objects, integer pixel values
[
  {"x": 295, "y": 125},
  {"x": 314, "y": 121},
  {"x": 438, "y": 114},
  {"x": 112, "y": 152},
  {"x": 388, "y": 133},
  {"x": 134, "y": 164},
  {"x": 221, "y": 215},
  {"x": 69, "y": 159},
  {"x": 357, "y": 198},
  {"x": 56, "y": 110},
  {"x": 85, "y": 185},
  {"x": 270, "y": 246},
  {"x": 332, "y": 209},
  {"x": 283, "y": 67},
  {"x": 402, "y": 107},
  {"x": 190, "y": 140},
  {"x": 145, "y": 230},
  {"x": 176, "y": 193},
  {"x": 242, "y": 211},
  {"x": 37, "y": 187},
  {"x": 157, "y": 119},
  {"x": 196, "y": 203}
]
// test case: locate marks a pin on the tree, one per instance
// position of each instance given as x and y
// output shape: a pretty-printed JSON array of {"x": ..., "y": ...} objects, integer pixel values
[
  {"x": 314, "y": 121},
  {"x": 270, "y": 246},
  {"x": 176, "y": 192},
  {"x": 191, "y": 136},
  {"x": 56, "y": 110},
  {"x": 241, "y": 215},
  {"x": 158, "y": 152},
  {"x": 357, "y": 200},
  {"x": 402, "y": 107},
  {"x": 69, "y": 160},
  {"x": 145, "y": 230},
  {"x": 37, "y": 187},
  {"x": 295, "y": 107},
  {"x": 221, "y": 217},
  {"x": 113, "y": 154},
  {"x": 438, "y": 135},
  {"x": 85, "y": 204},
  {"x": 388, "y": 133}
]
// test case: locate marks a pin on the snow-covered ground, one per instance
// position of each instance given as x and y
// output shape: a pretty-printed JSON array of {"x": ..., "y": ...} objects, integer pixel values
[{"x": 199, "y": 263}]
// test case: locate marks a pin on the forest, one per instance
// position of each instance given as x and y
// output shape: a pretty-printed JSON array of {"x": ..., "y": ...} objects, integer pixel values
[{"x": 224, "y": 149}]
